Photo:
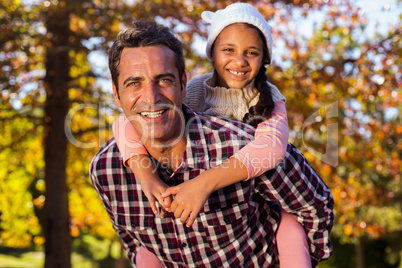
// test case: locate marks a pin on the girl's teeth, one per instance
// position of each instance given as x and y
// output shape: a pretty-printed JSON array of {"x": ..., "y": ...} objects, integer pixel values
[{"x": 237, "y": 73}]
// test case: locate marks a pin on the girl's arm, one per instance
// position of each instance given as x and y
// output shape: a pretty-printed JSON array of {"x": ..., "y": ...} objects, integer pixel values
[
  {"x": 192, "y": 194},
  {"x": 136, "y": 157},
  {"x": 269, "y": 147},
  {"x": 257, "y": 157}
]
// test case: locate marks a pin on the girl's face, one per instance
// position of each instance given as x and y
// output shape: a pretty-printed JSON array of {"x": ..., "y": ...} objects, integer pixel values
[{"x": 237, "y": 55}]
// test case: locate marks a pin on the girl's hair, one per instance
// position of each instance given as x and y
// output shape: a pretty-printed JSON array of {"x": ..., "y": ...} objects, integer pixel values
[{"x": 265, "y": 105}]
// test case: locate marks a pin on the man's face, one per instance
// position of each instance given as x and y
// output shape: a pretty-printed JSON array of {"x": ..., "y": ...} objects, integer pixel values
[{"x": 151, "y": 93}]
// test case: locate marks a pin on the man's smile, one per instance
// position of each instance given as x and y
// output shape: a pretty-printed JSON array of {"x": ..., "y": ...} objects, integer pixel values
[{"x": 153, "y": 114}]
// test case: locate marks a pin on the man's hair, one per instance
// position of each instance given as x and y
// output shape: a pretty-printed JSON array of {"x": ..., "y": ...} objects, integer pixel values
[{"x": 143, "y": 33}]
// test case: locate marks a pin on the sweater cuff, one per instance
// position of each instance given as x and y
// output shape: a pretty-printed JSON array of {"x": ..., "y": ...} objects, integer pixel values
[{"x": 127, "y": 139}]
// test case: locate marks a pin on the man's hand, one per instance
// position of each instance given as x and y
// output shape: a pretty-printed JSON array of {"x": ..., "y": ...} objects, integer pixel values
[{"x": 189, "y": 200}]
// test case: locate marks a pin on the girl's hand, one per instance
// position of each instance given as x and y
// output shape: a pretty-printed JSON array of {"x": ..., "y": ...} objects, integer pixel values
[
  {"x": 153, "y": 187},
  {"x": 189, "y": 200},
  {"x": 191, "y": 195}
]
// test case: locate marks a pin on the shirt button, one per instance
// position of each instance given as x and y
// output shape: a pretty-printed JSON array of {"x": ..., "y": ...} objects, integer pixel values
[{"x": 183, "y": 245}]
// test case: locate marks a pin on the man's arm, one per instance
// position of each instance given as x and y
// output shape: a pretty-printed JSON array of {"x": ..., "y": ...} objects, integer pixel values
[{"x": 302, "y": 193}]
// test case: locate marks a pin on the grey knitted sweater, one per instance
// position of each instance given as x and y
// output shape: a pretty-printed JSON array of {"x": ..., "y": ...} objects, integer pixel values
[{"x": 204, "y": 96}]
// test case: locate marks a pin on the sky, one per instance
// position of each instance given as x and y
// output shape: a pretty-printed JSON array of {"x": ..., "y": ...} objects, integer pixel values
[{"x": 385, "y": 12}]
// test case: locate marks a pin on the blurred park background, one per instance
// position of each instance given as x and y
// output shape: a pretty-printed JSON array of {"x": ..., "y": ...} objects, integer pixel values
[{"x": 337, "y": 62}]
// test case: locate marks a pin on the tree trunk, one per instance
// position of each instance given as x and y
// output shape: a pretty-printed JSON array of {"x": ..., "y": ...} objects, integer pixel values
[
  {"x": 360, "y": 248},
  {"x": 121, "y": 261},
  {"x": 56, "y": 219}
]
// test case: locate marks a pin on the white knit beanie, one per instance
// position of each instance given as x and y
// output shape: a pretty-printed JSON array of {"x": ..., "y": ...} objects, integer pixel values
[{"x": 236, "y": 13}]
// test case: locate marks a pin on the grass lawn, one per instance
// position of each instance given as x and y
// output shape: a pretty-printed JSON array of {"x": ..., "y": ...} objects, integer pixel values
[
  {"x": 35, "y": 259},
  {"x": 28, "y": 259},
  {"x": 88, "y": 252}
]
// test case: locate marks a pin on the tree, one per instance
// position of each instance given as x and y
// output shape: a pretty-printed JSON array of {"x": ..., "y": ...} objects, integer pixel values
[
  {"x": 56, "y": 218},
  {"x": 57, "y": 108}
]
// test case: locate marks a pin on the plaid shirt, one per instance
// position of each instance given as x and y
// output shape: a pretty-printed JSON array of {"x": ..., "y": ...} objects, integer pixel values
[{"x": 237, "y": 225}]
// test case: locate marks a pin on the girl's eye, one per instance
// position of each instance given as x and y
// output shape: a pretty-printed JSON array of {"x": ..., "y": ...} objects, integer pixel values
[
  {"x": 228, "y": 49},
  {"x": 252, "y": 53}
]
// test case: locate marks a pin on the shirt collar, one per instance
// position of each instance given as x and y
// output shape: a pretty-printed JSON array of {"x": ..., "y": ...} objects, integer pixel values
[{"x": 196, "y": 154}]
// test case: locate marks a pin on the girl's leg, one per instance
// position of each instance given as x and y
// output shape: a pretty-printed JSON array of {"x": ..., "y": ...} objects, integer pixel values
[
  {"x": 292, "y": 243},
  {"x": 146, "y": 259}
]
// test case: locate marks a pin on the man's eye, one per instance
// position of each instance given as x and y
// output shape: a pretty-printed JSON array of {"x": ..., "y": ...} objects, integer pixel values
[
  {"x": 166, "y": 81},
  {"x": 133, "y": 84}
]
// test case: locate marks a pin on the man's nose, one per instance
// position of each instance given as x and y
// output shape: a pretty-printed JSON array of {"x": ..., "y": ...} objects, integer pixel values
[{"x": 151, "y": 94}]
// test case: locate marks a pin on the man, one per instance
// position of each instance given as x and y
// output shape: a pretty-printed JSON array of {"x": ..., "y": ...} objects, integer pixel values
[{"x": 237, "y": 225}]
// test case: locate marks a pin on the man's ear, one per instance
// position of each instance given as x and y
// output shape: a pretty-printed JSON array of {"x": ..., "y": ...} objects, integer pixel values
[
  {"x": 184, "y": 85},
  {"x": 116, "y": 96}
]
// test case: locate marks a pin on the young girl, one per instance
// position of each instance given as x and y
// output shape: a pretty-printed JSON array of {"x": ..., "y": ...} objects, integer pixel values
[{"x": 239, "y": 46}]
